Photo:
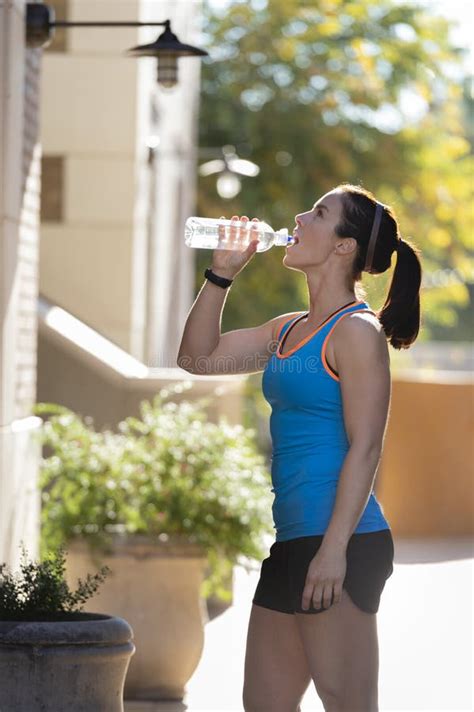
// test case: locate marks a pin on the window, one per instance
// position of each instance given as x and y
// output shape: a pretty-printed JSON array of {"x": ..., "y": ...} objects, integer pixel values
[{"x": 52, "y": 179}]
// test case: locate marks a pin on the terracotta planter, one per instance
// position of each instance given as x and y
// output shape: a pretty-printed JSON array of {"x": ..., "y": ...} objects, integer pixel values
[
  {"x": 156, "y": 586},
  {"x": 77, "y": 663}
]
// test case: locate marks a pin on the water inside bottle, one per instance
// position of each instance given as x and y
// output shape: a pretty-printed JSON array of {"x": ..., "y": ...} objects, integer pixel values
[{"x": 210, "y": 233}]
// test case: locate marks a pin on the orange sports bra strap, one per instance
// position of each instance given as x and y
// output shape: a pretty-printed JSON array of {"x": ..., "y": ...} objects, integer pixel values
[{"x": 287, "y": 324}]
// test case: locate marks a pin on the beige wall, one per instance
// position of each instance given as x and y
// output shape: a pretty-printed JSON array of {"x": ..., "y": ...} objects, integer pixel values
[
  {"x": 426, "y": 478},
  {"x": 94, "y": 389},
  {"x": 19, "y": 222},
  {"x": 113, "y": 259},
  {"x": 87, "y": 258}
]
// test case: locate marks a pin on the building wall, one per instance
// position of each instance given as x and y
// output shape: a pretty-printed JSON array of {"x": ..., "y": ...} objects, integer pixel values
[
  {"x": 19, "y": 237},
  {"x": 109, "y": 396},
  {"x": 87, "y": 245},
  {"x": 108, "y": 249},
  {"x": 173, "y": 197}
]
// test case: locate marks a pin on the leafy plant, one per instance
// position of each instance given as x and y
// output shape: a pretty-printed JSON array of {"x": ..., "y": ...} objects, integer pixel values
[
  {"x": 40, "y": 590},
  {"x": 170, "y": 472}
]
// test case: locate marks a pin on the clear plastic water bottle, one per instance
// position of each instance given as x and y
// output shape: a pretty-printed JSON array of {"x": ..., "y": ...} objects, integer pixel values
[{"x": 204, "y": 233}]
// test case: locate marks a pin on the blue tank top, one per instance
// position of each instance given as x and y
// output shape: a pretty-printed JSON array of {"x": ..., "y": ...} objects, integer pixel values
[{"x": 309, "y": 440}]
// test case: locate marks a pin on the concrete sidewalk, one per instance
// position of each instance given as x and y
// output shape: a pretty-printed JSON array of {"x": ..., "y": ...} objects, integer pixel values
[{"x": 425, "y": 625}]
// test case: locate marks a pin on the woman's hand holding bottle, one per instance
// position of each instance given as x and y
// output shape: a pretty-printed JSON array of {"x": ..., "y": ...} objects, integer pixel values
[{"x": 229, "y": 262}]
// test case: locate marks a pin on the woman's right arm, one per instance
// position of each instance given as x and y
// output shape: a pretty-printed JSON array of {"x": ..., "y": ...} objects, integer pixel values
[
  {"x": 201, "y": 333},
  {"x": 203, "y": 349}
]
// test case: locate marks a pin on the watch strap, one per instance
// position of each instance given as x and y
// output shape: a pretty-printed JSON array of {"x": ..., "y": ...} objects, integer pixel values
[{"x": 215, "y": 279}]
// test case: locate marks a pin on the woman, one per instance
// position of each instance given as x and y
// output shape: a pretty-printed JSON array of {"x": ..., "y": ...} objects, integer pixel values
[{"x": 326, "y": 376}]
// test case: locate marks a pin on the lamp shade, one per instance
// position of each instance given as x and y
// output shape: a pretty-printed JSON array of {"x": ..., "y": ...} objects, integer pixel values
[{"x": 168, "y": 44}]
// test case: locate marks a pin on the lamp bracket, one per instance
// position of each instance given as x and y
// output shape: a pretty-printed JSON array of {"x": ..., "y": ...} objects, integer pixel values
[{"x": 41, "y": 22}]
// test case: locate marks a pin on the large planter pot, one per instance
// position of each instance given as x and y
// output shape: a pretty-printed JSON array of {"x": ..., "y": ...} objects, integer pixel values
[
  {"x": 156, "y": 586},
  {"x": 76, "y": 662}
]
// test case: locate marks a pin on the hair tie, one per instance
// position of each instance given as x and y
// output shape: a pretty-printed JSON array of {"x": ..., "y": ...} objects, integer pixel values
[{"x": 373, "y": 236}]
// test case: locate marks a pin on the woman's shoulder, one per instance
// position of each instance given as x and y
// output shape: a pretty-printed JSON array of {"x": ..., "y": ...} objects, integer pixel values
[{"x": 360, "y": 325}]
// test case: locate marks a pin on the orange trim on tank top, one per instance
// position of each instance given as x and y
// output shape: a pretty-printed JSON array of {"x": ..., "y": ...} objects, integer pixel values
[
  {"x": 323, "y": 348},
  {"x": 280, "y": 328},
  {"x": 307, "y": 338}
]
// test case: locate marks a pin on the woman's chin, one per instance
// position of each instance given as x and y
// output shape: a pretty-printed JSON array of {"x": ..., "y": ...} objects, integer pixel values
[{"x": 287, "y": 263}]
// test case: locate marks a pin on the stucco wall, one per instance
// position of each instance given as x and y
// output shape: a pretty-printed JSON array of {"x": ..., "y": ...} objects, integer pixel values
[{"x": 426, "y": 478}]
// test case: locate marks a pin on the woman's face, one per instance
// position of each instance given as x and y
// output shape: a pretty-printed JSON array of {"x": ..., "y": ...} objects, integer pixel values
[{"x": 315, "y": 231}]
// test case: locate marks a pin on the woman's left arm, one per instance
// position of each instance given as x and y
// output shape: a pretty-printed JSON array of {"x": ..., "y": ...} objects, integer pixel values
[{"x": 363, "y": 365}]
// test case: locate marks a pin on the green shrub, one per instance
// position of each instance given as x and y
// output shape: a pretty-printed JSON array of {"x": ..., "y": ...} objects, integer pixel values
[
  {"x": 169, "y": 472},
  {"x": 39, "y": 591}
]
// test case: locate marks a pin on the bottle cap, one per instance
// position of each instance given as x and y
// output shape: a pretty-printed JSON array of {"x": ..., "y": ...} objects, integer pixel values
[{"x": 282, "y": 237}]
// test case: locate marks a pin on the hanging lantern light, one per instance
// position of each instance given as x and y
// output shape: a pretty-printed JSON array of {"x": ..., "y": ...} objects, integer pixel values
[
  {"x": 229, "y": 168},
  {"x": 167, "y": 48},
  {"x": 41, "y": 24},
  {"x": 228, "y": 185}
]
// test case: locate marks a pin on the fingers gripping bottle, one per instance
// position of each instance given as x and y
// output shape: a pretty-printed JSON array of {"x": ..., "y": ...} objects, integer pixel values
[{"x": 215, "y": 234}]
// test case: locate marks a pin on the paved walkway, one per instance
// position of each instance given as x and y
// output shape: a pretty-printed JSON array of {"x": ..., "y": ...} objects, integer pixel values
[{"x": 425, "y": 624}]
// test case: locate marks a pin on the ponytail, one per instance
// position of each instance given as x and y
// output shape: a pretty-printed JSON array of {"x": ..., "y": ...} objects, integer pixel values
[{"x": 400, "y": 315}]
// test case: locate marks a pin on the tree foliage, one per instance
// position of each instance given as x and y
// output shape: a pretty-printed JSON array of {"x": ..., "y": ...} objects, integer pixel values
[{"x": 340, "y": 90}]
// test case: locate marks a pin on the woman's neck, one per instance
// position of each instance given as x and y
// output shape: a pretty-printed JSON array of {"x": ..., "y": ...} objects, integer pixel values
[{"x": 317, "y": 312}]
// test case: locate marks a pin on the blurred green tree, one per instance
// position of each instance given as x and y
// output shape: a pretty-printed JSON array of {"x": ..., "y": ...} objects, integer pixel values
[{"x": 341, "y": 90}]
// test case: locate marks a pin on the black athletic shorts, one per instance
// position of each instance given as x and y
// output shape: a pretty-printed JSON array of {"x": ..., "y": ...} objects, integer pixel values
[{"x": 282, "y": 580}]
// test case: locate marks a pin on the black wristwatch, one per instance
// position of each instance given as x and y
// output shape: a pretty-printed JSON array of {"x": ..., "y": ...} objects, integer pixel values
[{"x": 215, "y": 279}]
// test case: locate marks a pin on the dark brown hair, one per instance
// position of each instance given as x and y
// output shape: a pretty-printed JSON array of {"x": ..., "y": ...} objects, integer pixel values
[{"x": 400, "y": 315}]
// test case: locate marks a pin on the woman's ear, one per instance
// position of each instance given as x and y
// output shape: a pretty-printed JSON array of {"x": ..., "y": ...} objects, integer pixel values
[{"x": 346, "y": 245}]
